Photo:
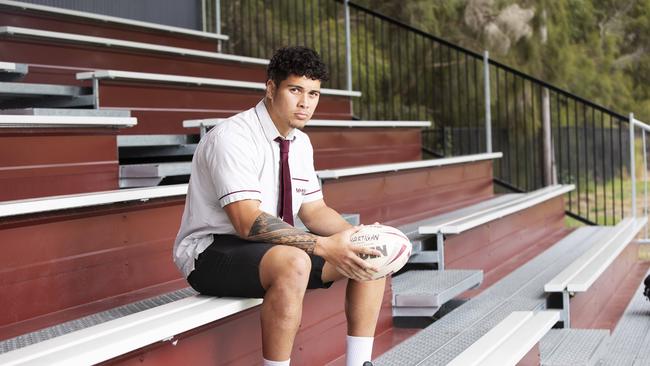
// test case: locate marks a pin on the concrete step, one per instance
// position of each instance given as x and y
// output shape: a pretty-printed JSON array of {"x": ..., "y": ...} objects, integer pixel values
[{"x": 420, "y": 293}]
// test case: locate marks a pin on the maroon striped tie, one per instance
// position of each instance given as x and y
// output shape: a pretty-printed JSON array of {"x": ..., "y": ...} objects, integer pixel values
[{"x": 285, "y": 210}]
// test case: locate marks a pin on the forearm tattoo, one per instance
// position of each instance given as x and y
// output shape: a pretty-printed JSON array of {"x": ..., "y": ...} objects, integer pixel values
[{"x": 270, "y": 229}]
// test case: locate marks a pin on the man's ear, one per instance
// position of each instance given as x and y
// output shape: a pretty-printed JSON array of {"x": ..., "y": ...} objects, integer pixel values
[{"x": 270, "y": 89}]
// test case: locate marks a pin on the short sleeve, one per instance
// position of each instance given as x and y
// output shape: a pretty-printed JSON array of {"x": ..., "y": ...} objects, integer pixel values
[{"x": 233, "y": 169}]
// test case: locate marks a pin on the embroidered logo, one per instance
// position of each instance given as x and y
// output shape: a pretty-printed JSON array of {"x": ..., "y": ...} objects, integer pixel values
[{"x": 301, "y": 190}]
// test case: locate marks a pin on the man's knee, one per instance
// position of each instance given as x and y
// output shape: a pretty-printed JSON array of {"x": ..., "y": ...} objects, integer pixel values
[{"x": 286, "y": 267}]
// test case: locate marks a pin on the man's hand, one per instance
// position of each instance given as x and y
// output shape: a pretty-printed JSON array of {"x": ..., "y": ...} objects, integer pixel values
[{"x": 339, "y": 251}]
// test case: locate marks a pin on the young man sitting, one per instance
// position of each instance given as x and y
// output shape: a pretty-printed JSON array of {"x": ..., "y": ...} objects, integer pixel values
[{"x": 250, "y": 175}]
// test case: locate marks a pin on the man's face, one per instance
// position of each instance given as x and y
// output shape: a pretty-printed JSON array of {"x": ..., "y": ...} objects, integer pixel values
[{"x": 292, "y": 103}]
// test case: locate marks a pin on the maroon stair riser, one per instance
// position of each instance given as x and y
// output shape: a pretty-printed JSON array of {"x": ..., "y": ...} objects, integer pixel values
[
  {"x": 236, "y": 340},
  {"x": 85, "y": 56},
  {"x": 37, "y": 165},
  {"x": 418, "y": 193},
  {"x": 596, "y": 308},
  {"x": 97, "y": 28},
  {"x": 58, "y": 261},
  {"x": 489, "y": 245},
  {"x": 338, "y": 147}
]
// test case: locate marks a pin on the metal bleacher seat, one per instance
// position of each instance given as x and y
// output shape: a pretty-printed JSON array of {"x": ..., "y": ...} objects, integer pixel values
[
  {"x": 420, "y": 293},
  {"x": 190, "y": 80},
  {"x": 58, "y": 118},
  {"x": 205, "y": 124},
  {"x": 583, "y": 272},
  {"x": 111, "y": 333},
  {"x": 11, "y": 71},
  {"x": 10, "y": 31},
  {"x": 509, "y": 341},
  {"x": 413, "y": 294},
  {"x": 521, "y": 290},
  {"x": 110, "y": 19}
]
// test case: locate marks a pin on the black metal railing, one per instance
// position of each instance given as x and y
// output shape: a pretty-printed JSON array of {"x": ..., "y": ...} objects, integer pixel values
[{"x": 546, "y": 134}]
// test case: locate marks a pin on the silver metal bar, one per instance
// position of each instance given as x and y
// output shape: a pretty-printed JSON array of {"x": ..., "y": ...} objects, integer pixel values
[
  {"x": 632, "y": 167},
  {"x": 550, "y": 175},
  {"x": 217, "y": 23},
  {"x": 566, "y": 309},
  {"x": 441, "y": 251},
  {"x": 96, "y": 93},
  {"x": 348, "y": 46},
  {"x": 488, "y": 108},
  {"x": 645, "y": 182}
]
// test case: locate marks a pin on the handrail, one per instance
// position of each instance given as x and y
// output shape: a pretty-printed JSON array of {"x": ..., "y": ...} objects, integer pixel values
[
  {"x": 480, "y": 56},
  {"x": 112, "y": 42}
]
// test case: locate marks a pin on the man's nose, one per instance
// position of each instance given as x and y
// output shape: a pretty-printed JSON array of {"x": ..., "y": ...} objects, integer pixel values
[{"x": 303, "y": 102}]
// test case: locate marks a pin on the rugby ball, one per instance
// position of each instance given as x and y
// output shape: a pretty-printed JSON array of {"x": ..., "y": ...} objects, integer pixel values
[{"x": 394, "y": 246}]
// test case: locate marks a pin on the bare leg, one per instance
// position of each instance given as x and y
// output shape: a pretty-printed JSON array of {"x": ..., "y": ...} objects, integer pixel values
[
  {"x": 362, "y": 302},
  {"x": 284, "y": 273}
]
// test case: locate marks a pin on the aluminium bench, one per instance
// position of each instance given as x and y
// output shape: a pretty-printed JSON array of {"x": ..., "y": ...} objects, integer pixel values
[
  {"x": 584, "y": 271},
  {"x": 110, "y": 19},
  {"x": 11, "y": 31},
  {"x": 509, "y": 341},
  {"x": 190, "y": 80},
  {"x": 111, "y": 333},
  {"x": 205, "y": 124},
  {"x": 520, "y": 290},
  {"x": 410, "y": 298},
  {"x": 420, "y": 293}
]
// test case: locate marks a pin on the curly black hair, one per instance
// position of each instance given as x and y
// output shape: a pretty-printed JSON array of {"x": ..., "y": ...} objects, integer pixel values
[{"x": 296, "y": 60}]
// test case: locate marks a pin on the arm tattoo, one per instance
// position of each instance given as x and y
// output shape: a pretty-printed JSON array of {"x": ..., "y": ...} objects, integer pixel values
[{"x": 270, "y": 229}]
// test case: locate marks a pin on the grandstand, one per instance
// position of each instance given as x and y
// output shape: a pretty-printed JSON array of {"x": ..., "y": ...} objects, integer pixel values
[{"x": 100, "y": 116}]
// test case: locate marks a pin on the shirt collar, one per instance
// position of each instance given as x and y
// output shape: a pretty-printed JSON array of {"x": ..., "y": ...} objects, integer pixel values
[{"x": 270, "y": 131}]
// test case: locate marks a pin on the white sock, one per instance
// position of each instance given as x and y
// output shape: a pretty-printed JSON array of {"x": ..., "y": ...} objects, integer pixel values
[
  {"x": 359, "y": 350},
  {"x": 276, "y": 363}
]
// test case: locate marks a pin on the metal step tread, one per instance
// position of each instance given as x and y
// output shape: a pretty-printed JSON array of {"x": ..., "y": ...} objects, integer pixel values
[
  {"x": 12, "y": 71},
  {"x": 521, "y": 290},
  {"x": 432, "y": 288},
  {"x": 629, "y": 344},
  {"x": 37, "y": 90},
  {"x": 573, "y": 347},
  {"x": 91, "y": 320},
  {"x": 423, "y": 256},
  {"x": 155, "y": 169},
  {"x": 152, "y": 140}
]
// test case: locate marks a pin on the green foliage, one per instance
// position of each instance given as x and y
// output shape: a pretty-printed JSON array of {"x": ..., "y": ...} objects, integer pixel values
[{"x": 597, "y": 49}]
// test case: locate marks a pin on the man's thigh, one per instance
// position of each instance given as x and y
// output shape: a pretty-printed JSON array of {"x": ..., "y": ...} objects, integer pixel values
[{"x": 230, "y": 267}]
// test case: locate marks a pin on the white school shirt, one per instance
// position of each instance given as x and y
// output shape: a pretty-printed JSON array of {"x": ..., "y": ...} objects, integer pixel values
[{"x": 239, "y": 160}]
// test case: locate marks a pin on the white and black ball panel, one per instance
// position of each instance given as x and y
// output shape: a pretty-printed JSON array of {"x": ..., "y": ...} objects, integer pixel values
[{"x": 394, "y": 246}]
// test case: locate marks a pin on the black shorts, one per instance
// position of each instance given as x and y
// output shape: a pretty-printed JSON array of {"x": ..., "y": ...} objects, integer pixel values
[{"x": 230, "y": 267}]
